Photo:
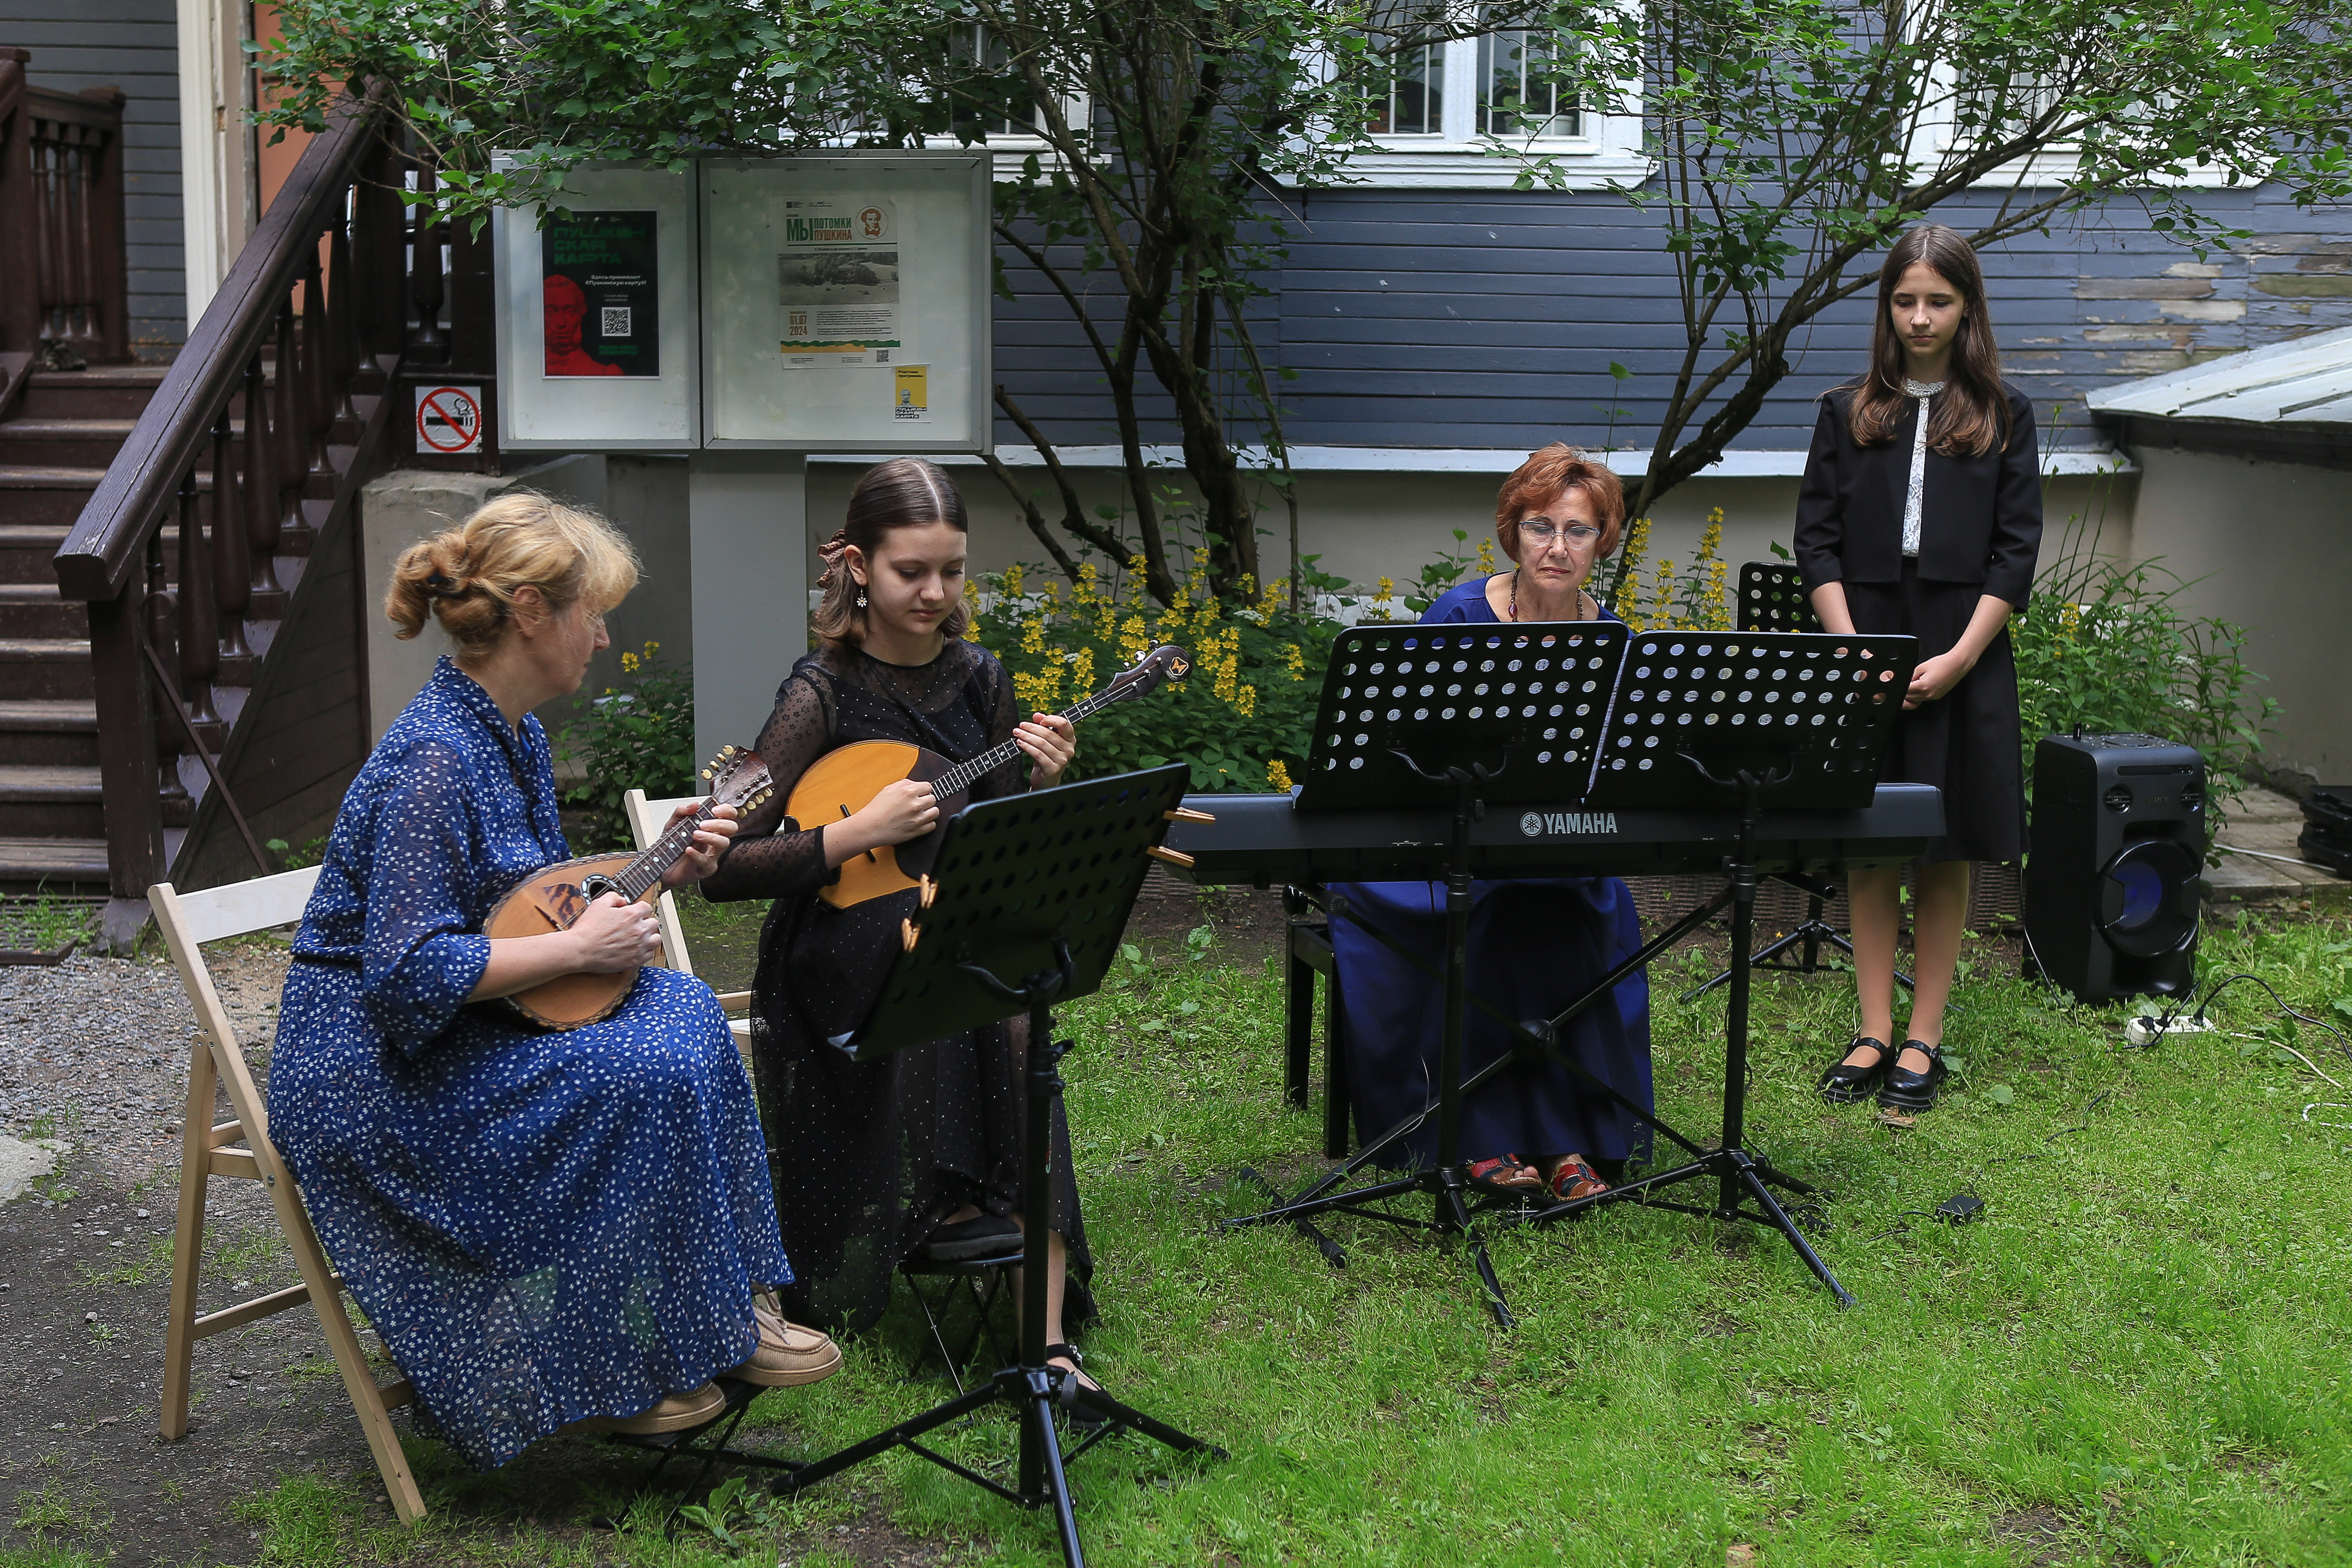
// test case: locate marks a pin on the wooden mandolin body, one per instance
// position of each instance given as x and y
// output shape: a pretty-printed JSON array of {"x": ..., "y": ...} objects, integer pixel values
[
  {"x": 839, "y": 784},
  {"x": 551, "y": 898}
]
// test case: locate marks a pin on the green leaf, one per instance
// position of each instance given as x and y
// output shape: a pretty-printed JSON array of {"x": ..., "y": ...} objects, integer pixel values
[{"x": 2001, "y": 1094}]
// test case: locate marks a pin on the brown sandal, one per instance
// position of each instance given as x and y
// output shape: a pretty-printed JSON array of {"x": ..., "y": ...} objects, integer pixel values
[
  {"x": 1505, "y": 1175},
  {"x": 1575, "y": 1179}
]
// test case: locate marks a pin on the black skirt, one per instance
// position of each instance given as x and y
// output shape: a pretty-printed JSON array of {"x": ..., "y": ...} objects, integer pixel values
[{"x": 1968, "y": 744}]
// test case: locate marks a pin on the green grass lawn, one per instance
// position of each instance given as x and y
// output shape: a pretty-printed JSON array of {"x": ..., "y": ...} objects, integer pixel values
[{"x": 2138, "y": 1355}]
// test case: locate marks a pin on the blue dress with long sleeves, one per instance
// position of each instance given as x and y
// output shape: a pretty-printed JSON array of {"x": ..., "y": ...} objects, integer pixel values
[
  {"x": 1535, "y": 944},
  {"x": 543, "y": 1225}
]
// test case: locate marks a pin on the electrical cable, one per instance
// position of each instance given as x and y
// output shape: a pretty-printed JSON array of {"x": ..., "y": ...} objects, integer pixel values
[{"x": 2164, "y": 1023}]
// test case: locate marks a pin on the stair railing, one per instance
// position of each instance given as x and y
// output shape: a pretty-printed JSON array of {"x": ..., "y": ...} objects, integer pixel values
[
  {"x": 253, "y": 447},
  {"x": 61, "y": 240}
]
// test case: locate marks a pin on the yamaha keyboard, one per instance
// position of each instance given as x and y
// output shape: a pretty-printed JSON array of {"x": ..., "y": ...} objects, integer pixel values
[{"x": 1264, "y": 840}]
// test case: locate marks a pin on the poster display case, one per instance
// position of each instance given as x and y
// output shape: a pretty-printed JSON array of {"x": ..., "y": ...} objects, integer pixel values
[
  {"x": 846, "y": 302},
  {"x": 599, "y": 315}
]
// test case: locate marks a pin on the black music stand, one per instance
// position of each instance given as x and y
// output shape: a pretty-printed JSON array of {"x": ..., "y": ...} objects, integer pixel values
[
  {"x": 1772, "y": 598},
  {"x": 1037, "y": 885},
  {"x": 1465, "y": 717},
  {"x": 1707, "y": 719}
]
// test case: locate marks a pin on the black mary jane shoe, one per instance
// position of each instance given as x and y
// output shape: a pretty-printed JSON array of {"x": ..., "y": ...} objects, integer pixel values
[
  {"x": 1078, "y": 1415},
  {"x": 1912, "y": 1092},
  {"x": 1844, "y": 1084},
  {"x": 982, "y": 1235}
]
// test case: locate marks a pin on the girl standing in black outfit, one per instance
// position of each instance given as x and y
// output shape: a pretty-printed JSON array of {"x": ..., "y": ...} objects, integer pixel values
[
  {"x": 1921, "y": 513},
  {"x": 918, "y": 1150}
]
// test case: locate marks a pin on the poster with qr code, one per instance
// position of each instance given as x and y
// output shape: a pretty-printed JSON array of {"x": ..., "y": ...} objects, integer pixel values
[
  {"x": 837, "y": 283},
  {"x": 601, "y": 294}
]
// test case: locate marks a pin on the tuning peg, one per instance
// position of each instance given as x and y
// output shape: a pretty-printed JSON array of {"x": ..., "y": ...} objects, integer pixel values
[{"x": 908, "y": 934}]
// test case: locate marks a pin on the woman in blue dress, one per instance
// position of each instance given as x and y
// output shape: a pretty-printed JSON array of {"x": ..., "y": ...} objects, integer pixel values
[
  {"x": 548, "y": 1228},
  {"x": 1535, "y": 944}
]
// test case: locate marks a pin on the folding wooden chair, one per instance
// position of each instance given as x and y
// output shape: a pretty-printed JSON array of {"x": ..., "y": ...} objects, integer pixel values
[
  {"x": 647, "y": 820},
  {"x": 188, "y": 921}
]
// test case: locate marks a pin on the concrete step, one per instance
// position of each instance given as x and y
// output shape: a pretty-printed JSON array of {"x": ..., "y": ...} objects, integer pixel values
[
  {"x": 38, "y": 610},
  {"x": 52, "y": 861},
  {"x": 73, "y": 443},
  {"x": 107, "y": 392},
  {"x": 46, "y": 666},
  {"x": 44, "y": 495}
]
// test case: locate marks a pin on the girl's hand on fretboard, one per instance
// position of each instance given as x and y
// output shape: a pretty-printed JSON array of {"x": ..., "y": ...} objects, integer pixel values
[
  {"x": 1050, "y": 740},
  {"x": 710, "y": 839}
]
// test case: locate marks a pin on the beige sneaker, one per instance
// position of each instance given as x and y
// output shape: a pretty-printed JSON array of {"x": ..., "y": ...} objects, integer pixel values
[
  {"x": 676, "y": 1412},
  {"x": 789, "y": 1355}
]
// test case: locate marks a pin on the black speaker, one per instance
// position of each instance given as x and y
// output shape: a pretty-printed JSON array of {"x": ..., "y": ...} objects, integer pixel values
[{"x": 2115, "y": 875}]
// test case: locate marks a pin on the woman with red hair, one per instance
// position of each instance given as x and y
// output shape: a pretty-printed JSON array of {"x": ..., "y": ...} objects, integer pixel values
[{"x": 1536, "y": 944}]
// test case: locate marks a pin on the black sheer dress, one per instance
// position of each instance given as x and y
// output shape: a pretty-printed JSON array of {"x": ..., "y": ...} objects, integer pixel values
[{"x": 869, "y": 1156}]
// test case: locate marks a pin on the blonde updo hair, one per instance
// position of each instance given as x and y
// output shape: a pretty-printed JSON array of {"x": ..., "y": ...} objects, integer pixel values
[{"x": 467, "y": 577}]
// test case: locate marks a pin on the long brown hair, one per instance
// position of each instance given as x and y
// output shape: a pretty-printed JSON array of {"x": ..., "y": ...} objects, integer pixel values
[
  {"x": 1971, "y": 417},
  {"x": 905, "y": 492}
]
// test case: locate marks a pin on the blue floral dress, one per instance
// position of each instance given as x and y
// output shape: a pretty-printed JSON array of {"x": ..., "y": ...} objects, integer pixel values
[{"x": 543, "y": 1226}]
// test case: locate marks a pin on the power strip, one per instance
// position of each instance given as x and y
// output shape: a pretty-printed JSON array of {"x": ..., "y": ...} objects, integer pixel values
[{"x": 2142, "y": 1030}]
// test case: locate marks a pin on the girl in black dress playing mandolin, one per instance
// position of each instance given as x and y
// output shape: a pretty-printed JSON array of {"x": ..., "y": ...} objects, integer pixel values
[
  {"x": 1921, "y": 514},
  {"x": 875, "y": 1161}
]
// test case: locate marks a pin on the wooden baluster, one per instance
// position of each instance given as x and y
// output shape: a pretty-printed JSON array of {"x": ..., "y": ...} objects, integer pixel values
[
  {"x": 316, "y": 393},
  {"x": 179, "y": 808},
  {"x": 199, "y": 633},
  {"x": 267, "y": 598},
  {"x": 232, "y": 576},
  {"x": 428, "y": 344},
  {"x": 45, "y": 214},
  {"x": 83, "y": 170},
  {"x": 343, "y": 355},
  {"x": 379, "y": 248},
  {"x": 286, "y": 427}
]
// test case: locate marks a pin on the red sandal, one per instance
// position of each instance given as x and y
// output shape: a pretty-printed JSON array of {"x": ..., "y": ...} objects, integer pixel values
[
  {"x": 1505, "y": 1175},
  {"x": 1575, "y": 1179}
]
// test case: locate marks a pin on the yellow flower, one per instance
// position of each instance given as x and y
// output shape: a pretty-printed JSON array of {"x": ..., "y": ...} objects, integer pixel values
[
  {"x": 1032, "y": 634},
  {"x": 1486, "y": 555},
  {"x": 1278, "y": 777},
  {"x": 1082, "y": 670},
  {"x": 1247, "y": 703},
  {"x": 1277, "y": 595},
  {"x": 1054, "y": 594},
  {"x": 1012, "y": 579},
  {"x": 1087, "y": 593},
  {"x": 1295, "y": 658},
  {"x": 1134, "y": 638},
  {"x": 652, "y": 649},
  {"x": 628, "y": 664}
]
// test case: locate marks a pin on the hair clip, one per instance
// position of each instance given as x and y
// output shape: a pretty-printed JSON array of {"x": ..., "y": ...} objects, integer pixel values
[{"x": 441, "y": 583}]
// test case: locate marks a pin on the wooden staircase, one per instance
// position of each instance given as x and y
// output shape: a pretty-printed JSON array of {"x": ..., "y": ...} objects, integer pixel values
[{"x": 66, "y": 428}]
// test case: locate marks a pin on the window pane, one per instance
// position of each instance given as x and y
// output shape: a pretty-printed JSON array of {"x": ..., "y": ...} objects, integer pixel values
[
  {"x": 1517, "y": 93},
  {"x": 1010, "y": 110},
  {"x": 1414, "y": 101}
]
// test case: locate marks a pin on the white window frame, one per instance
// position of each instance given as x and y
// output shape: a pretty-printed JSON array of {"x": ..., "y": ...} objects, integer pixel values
[
  {"x": 1936, "y": 136},
  {"x": 1606, "y": 151}
]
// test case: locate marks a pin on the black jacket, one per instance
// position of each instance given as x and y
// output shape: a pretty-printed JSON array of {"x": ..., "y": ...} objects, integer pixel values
[{"x": 1981, "y": 517}]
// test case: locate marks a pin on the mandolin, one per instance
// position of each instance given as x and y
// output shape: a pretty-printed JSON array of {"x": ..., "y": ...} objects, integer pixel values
[
  {"x": 840, "y": 782},
  {"x": 552, "y": 897}
]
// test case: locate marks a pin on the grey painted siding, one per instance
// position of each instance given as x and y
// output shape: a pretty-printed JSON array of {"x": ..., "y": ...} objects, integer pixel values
[
  {"x": 1428, "y": 319},
  {"x": 132, "y": 45}
]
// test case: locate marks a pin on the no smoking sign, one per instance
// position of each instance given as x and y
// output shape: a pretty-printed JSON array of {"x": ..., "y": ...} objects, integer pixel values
[{"x": 449, "y": 419}]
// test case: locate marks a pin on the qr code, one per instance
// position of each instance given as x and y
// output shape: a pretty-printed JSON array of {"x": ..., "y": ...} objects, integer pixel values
[
  {"x": 881, "y": 356},
  {"x": 616, "y": 321}
]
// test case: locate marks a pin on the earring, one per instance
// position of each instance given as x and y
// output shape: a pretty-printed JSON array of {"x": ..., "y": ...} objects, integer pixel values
[{"x": 861, "y": 598}]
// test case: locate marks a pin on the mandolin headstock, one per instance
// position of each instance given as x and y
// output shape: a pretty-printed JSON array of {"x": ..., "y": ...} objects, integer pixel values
[
  {"x": 1166, "y": 662},
  {"x": 738, "y": 778}
]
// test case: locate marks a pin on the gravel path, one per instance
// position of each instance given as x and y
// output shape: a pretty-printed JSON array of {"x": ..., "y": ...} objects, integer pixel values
[{"x": 96, "y": 1050}]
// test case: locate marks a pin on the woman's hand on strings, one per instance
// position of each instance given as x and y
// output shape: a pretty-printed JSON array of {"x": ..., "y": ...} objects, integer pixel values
[
  {"x": 614, "y": 934},
  {"x": 898, "y": 813},
  {"x": 701, "y": 857},
  {"x": 1051, "y": 740}
]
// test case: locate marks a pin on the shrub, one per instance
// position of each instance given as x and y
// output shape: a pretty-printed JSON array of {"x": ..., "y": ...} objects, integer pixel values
[
  {"x": 2110, "y": 647},
  {"x": 637, "y": 735},
  {"x": 1242, "y": 721}
]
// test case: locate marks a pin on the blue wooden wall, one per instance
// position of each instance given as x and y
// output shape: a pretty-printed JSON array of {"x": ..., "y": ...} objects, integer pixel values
[{"x": 1434, "y": 318}]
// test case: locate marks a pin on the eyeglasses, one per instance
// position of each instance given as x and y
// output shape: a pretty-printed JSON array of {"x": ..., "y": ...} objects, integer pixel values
[{"x": 1542, "y": 531}]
